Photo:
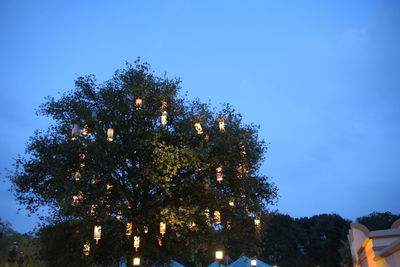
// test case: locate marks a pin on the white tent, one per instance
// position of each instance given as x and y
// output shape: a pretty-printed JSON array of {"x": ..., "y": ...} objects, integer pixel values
[
  {"x": 246, "y": 262},
  {"x": 215, "y": 264}
]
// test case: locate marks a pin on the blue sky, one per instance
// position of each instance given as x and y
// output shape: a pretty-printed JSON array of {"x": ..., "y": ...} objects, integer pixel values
[{"x": 321, "y": 78}]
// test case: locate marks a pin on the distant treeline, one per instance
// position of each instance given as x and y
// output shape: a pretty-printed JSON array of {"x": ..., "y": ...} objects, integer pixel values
[{"x": 320, "y": 240}]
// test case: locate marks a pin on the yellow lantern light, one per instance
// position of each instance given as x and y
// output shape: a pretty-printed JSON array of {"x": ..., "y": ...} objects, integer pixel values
[
  {"x": 163, "y": 227},
  {"x": 198, "y": 128},
  {"x": 77, "y": 176},
  {"x": 145, "y": 229},
  {"x": 219, "y": 255},
  {"x": 231, "y": 202},
  {"x": 119, "y": 215},
  {"x": 253, "y": 262},
  {"x": 108, "y": 188},
  {"x": 207, "y": 214},
  {"x": 75, "y": 200},
  {"x": 136, "y": 261},
  {"x": 138, "y": 103},
  {"x": 93, "y": 209},
  {"x": 217, "y": 217},
  {"x": 136, "y": 242},
  {"x": 159, "y": 240},
  {"x": 97, "y": 233},
  {"x": 128, "y": 229},
  {"x": 257, "y": 221},
  {"x": 219, "y": 175},
  {"x": 221, "y": 125},
  {"x": 74, "y": 132},
  {"x": 86, "y": 248},
  {"x": 110, "y": 134},
  {"x": 164, "y": 115}
]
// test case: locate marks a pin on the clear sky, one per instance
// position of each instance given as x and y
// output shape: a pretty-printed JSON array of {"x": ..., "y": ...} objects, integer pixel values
[{"x": 321, "y": 78}]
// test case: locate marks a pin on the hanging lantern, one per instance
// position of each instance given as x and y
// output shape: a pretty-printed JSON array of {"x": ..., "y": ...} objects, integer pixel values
[
  {"x": 192, "y": 225},
  {"x": 164, "y": 115},
  {"x": 145, "y": 229},
  {"x": 136, "y": 242},
  {"x": 128, "y": 229},
  {"x": 232, "y": 202},
  {"x": 85, "y": 130},
  {"x": 159, "y": 240},
  {"x": 138, "y": 103},
  {"x": 219, "y": 175},
  {"x": 108, "y": 209},
  {"x": 257, "y": 221},
  {"x": 82, "y": 156},
  {"x": 207, "y": 214},
  {"x": 93, "y": 209},
  {"x": 77, "y": 198},
  {"x": 217, "y": 217},
  {"x": 119, "y": 215},
  {"x": 97, "y": 233},
  {"x": 163, "y": 227},
  {"x": 77, "y": 176},
  {"x": 221, "y": 125},
  {"x": 108, "y": 188},
  {"x": 110, "y": 134},
  {"x": 86, "y": 248},
  {"x": 198, "y": 128},
  {"x": 82, "y": 165},
  {"x": 136, "y": 261},
  {"x": 74, "y": 132}
]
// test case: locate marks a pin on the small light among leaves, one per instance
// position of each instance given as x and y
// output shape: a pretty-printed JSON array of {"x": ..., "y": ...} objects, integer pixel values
[
  {"x": 77, "y": 176},
  {"x": 164, "y": 115},
  {"x": 86, "y": 249},
  {"x": 93, "y": 209},
  {"x": 221, "y": 125},
  {"x": 257, "y": 222},
  {"x": 110, "y": 134},
  {"x": 85, "y": 130},
  {"x": 217, "y": 217},
  {"x": 136, "y": 261},
  {"x": 97, "y": 233},
  {"x": 219, "y": 175},
  {"x": 198, "y": 128},
  {"x": 128, "y": 229},
  {"x": 231, "y": 202},
  {"x": 145, "y": 229},
  {"x": 138, "y": 103},
  {"x": 136, "y": 242},
  {"x": 163, "y": 227}
]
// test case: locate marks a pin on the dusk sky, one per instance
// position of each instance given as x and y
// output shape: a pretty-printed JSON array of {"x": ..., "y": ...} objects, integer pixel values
[{"x": 321, "y": 78}]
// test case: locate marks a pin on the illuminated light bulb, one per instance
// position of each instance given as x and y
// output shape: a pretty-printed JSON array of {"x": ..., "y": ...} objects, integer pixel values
[
  {"x": 145, "y": 229},
  {"x": 231, "y": 203},
  {"x": 217, "y": 217},
  {"x": 221, "y": 125},
  {"x": 219, "y": 175},
  {"x": 110, "y": 134},
  {"x": 136, "y": 242},
  {"x": 85, "y": 130},
  {"x": 138, "y": 103},
  {"x": 164, "y": 115},
  {"x": 163, "y": 227},
  {"x": 257, "y": 221},
  {"x": 198, "y": 128},
  {"x": 136, "y": 261},
  {"x": 128, "y": 229},
  {"x": 97, "y": 233}
]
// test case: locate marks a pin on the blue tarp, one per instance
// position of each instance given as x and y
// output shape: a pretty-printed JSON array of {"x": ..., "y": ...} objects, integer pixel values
[
  {"x": 246, "y": 262},
  {"x": 215, "y": 264}
]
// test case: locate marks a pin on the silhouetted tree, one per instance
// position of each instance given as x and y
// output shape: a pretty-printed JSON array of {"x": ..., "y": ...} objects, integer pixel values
[{"x": 378, "y": 220}]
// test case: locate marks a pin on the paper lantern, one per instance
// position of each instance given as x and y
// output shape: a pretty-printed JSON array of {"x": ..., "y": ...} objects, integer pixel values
[
  {"x": 128, "y": 229},
  {"x": 253, "y": 262},
  {"x": 219, "y": 175},
  {"x": 217, "y": 217},
  {"x": 93, "y": 209},
  {"x": 136, "y": 261},
  {"x": 74, "y": 132},
  {"x": 108, "y": 188},
  {"x": 119, "y": 215},
  {"x": 164, "y": 115},
  {"x": 77, "y": 176},
  {"x": 138, "y": 103},
  {"x": 231, "y": 202},
  {"x": 145, "y": 229},
  {"x": 97, "y": 233},
  {"x": 136, "y": 242},
  {"x": 207, "y": 214},
  {"x": 86, "y": 248},
  {"x": 221, "y": 125},
  {"x": 110, "y": 134},
  {"x": 198, "y": 128},
  {"x": 163, "y": 227},
  {"x": 219, "y": 255},
  {"x": 257, "y": 222}
]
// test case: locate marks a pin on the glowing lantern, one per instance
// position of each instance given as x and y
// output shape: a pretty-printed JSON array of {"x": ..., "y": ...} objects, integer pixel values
[
  {"x": 253, "y": 262},
  {"x": 86, "y": 248},
  {"x": 97, "y": 233},
  {"x": 128, "y": 229},
  {"x": 85, "y": 130},
  {"x": 221, "y": 125},
  {"x": 198, "y": 128},
  {"x": 207, "y": 214},
  {"x": 163, "y": 227},
  {"x": 164, "y": 115},
  {"x": 77, "y": 176},
  {"x": 76, "y": 199},
  {"x": 110, "y": 134},
  {"x": 74, "y": 132},
  {"x": 119, "y": 215},
  {"x": 82, "y": 165},
  {"x": 159, "y": 240},
  {"x": 192, "y": 225},
  {"x": 93, "y": 209},
  {"x": 231, "y": 202},
  {"x": 219, "y": 175},
  {"x": 108, "y": 188},
  {"x": 136, "y": 261},
  {"x": 257, "y": 222},
  {"x": 219, "y": 255},
  {"x": 138, "y": 103},
  {"x": 136, "y": 242},
  {"x": 217, "y": 217},
  {"x": 145, "y": 229}
]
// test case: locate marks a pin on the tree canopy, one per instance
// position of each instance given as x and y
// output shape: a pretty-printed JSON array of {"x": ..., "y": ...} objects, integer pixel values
[{"x": 133, "y": 151}]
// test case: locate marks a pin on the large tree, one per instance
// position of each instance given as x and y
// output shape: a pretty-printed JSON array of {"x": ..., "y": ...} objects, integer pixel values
[{"x": 133, "y": 150}]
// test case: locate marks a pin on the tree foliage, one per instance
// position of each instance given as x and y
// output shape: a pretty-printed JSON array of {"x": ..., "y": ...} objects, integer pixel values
[
  {"x": 149, "y": 173},
  {"x": 378, "y": 220}
]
